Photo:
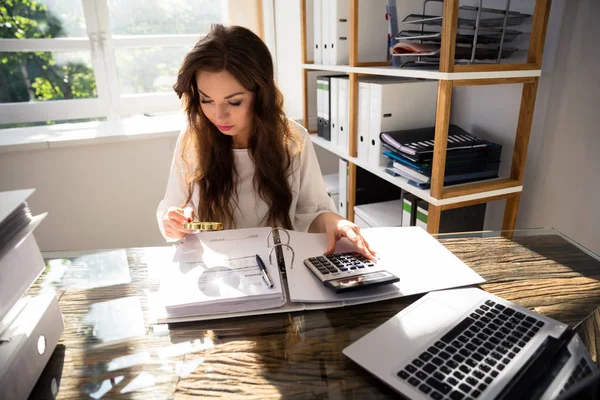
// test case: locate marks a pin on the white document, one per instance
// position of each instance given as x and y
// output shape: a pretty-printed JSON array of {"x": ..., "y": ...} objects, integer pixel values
[
  {"x": 396, "y": 105},
  {"x": 339, "y": 32},
  {"x": 204, "y": 278},
  {"x": 343, "y": 113},
  {"x": 417, "y": 258},
  {"x": 217, "y": 272},
  {"x": 334, "y": 84},
  {"x": 317, "y": 29},
  {"x": 362, "y": 138},
  {"x": 325, "y": 40},
  {"x": 343, "y": 188}
]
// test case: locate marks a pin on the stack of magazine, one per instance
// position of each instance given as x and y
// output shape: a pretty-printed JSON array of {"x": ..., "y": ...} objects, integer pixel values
[{"x": 468, "y": 158}]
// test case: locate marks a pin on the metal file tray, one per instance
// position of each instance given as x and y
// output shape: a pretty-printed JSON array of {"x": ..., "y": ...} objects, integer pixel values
[{"x": 436, "y": 37}]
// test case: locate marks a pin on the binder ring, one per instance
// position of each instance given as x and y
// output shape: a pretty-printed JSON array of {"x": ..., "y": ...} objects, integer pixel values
[
  {"x": 279, "y": 245},
  {"x": 279, "y": 230}
]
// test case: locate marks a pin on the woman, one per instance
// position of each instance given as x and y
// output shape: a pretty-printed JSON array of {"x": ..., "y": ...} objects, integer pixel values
[{"x": 240, "y": 160}]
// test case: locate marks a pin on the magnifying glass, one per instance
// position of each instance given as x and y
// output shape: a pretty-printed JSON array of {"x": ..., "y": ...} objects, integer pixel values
[{"x": 203, "y": 226}]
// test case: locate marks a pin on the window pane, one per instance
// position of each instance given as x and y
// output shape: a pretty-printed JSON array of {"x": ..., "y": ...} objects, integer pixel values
[
  {"x": 41, "y": 19},
  {"x": 148, "y": 69},
  {"x": 40, "y": 76},
  {"x": 156, "y": 17}
]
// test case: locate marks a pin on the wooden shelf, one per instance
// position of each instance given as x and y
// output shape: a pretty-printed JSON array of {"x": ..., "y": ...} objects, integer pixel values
[
  {"x": 402, "y": 183},
  {"x": 424, "y": 73},
  {"x": 449, "y": 75}
]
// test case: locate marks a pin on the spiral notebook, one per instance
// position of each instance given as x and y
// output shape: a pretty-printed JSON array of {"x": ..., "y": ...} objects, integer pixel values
[{"x": 215, "y": 275}]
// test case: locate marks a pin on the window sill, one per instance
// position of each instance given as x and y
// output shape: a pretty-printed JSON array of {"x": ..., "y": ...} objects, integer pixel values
[{"x": 84, "y": 133}]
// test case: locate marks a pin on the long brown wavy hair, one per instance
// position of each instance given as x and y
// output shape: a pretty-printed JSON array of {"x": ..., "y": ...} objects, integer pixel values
[{"x": 273, "y": 143}]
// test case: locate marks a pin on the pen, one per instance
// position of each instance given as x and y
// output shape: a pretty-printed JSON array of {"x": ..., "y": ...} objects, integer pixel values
[{"x": 264, "y": 272}]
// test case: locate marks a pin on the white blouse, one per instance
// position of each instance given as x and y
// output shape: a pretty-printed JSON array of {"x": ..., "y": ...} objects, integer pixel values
[{"x": 309, "y": 196}]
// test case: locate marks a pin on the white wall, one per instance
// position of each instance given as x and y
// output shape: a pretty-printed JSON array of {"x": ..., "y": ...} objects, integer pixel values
[
  {"x": 563, "y": 168},
  {"x": 96, "y": 195}
]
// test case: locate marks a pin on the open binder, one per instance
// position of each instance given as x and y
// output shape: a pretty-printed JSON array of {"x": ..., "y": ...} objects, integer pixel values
[{"x": 186, "y": 294}]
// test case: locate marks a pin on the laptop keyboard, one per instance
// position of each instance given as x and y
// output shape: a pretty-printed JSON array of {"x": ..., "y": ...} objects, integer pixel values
[
  {"x": 581, "y": 371},
  {"x": 467, "y": 359}
]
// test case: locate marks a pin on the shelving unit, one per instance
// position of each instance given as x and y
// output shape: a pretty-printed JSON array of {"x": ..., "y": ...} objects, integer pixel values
[{"x": 449, "y": 76}]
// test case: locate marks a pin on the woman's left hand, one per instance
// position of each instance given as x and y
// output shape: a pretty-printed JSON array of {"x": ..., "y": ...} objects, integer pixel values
[{"x": 337, "y": 227}]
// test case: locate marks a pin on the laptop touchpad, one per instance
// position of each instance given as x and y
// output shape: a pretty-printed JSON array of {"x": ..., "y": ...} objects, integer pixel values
[{"x": 429, "y": 317}]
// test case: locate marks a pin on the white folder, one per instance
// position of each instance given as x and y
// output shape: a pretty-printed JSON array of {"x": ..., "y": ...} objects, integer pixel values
[
  {"x": 325, "y": 21},
  {"x": 334, "y": 124},
  {"x": 343, "y": 194},
  {"x": 317, "y": 28},
  {"x": 34, "y": 329},
  {"x": 339, "y": 32},
  {"x": 372, "y": 31},
  {"x": 362, "y": 137},
  {"x": 343, "y": 113},
  {"x": 396, "y": 105}
]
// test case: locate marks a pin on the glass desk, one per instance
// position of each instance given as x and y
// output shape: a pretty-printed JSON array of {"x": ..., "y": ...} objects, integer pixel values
[{"x": 108, "y": 350}]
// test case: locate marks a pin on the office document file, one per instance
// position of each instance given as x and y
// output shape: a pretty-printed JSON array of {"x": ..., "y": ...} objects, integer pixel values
[
  {"x": 409, "y": 209},
  {"x": 325, "y": 22},
  {"x": 339, "y": 32},
  {"x": 334, "y": 119},
  {"x": 343, "y": 188},
  {"x": 187, "y": 293},
  {"x": 34, "y": 326},
  {"x": 331, "y": 31},
  {"x": 318, "y": 30},
  {"x": 384, "y": 213},
  {"x": 362, "y": 137},
  {"x": 324, "y": 100},
  {"x": 343, "y": 113},
  {"x": 323, "y": 104},
  {"x": 398, "y": 104}
]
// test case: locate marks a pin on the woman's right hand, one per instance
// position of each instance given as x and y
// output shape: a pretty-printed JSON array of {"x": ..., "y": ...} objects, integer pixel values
[{"x": 174, "y": 219}]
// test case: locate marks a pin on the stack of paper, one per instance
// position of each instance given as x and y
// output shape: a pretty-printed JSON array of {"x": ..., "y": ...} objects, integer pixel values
[
  {"x": 30, "y": 327},
  {"x": 217, "y": 273}
]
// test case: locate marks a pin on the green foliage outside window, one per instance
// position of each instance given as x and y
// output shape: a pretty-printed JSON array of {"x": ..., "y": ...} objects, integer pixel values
[{"x": 31, "y": 76}]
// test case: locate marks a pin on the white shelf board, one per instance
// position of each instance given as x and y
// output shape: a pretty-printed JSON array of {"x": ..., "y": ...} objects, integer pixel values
[
  {"x": 423, "y": 73},
  {"x": 326, "y": 144},
  {"x": 402, "y": 183}
]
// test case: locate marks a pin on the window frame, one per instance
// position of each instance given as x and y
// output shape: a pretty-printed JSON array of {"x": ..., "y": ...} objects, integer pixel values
[{"x": 101, "y": 45}]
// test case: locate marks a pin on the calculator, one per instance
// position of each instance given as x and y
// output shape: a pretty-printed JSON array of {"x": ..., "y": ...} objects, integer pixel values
[{"x": 345, "y": 272}]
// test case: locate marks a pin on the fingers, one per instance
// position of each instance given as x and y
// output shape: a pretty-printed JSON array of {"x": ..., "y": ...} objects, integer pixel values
[
  {"x": 373, "y": 256},
  {"x": 331, "y": 241},
  {"x": 360, "y": 243},
  {"x": 188, "y": 213},
  {"x": 173, "y": 222}
]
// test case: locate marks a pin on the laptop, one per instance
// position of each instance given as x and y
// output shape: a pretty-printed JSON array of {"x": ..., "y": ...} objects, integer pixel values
[{"x": 468, "y": 344}]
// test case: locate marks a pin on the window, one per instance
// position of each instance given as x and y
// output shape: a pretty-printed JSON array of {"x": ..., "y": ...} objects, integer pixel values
[{"x": 89, "y": 59}]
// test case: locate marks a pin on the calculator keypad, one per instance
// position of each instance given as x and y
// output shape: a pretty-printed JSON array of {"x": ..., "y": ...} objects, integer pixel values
[{"x": 341, "y": 262}]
